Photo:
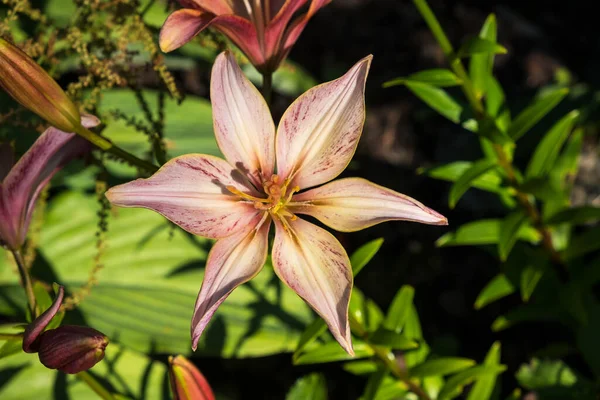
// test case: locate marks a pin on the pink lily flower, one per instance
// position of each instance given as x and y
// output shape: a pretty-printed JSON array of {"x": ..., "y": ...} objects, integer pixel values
[
  {"x": 267, "y": 178},
  {"x": 21, "y": 183},
  {"x": 262, "y": 29}
]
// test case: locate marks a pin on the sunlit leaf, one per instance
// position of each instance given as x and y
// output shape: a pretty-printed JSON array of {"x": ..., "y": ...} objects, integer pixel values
[
  {"x": 509, "y": 233},
  {"x": 331, "y": 351},
  {"x": 437, "y": 99},
  {"x": 313, "y": 386},
  {"x": 361, "y": 367},
  {"x": 374, "y": 383},
  {"x": 392, "y": 339},
  {"x": 480, "y": 65},
  {"x": 478, "y": 45},
  {"x": 399, "y": 309},
  {"x": 489, "y": 181},
  {"x": 455, "y": 384},
  {"x": 535, "y": 112},
  {"x": 500, "y": 286},
  {"x": 441, "y": 366},
  {"x": 361, "y": 257},
  {"x": 463, "y": 183},
  {"x": 364, "y": 311},
  {"x": 435, "y": 77},
  {"x": 483, "y": 231},
  {"x": 567, "y": 164},
  {"x": 412, "y": 330},
  {"x": 484, "y": 387}
]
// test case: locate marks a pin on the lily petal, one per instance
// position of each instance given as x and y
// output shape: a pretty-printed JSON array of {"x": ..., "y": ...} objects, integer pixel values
[
  {"x": 243, "y": 33},
  {"x": 243, "y": 125},
  {"x": 232, "y": 261},
  {"x": 216, "y": 7},
  {"x": 319, "y": 132},
  {"x": 181, "y": 26},
  {"x": 315, "y": 265},
  {"x": 352, "y": 204},
  {"x": 191, "y": 192},
  {"x": 7, "y": 159},
  {"x": 23, "y": 184},
  {"x": 276, "y": 28}
]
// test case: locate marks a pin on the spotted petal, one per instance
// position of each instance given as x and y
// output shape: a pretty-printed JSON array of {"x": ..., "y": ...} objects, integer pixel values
[
  {"x": 216, "y": 7},
  {"x": 318, "y": 134},
  {"x": 315, "y": 265},
  {"x": 181, "y": 26},
  {"x": 191, "y": 191},
  {"x": 353, "y": 204},
  {"x": 243, "y": 125},
  {"x": 232, "y": 261}
]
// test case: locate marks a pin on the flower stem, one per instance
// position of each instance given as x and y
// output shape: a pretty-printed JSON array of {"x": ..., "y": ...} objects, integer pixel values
[
  {"x": 26, "y": 282},
  {"x": 267, "y": 87},
  {"x": 95, "y": 385},
  {"x": 107, "y": 146},
  {"x": 10, "y": 336},
  {"x": 504, "y": 160}
]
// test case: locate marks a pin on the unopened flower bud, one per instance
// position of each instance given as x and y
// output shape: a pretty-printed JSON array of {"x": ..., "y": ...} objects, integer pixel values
[
  {"x": 25, "y": 81},
  {"x": 72, "y": 349},
  {"x": 187, "y": 382}
]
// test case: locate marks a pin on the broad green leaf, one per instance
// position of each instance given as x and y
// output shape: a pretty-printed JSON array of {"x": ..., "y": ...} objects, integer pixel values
[
  {"x": 484, "y": 231},
  {"x": 129, "y": 373},
  {"x": 500, "y": 286},
  {"x": 399, "y": 309},
  {"x": 393, "y": 389},
  {"x": 360, "y": 367},
  {"x": 435, "y": 77},
  {"x": 374, "y": 383},
  {"x": 313, "y": 386},
  {"x": 530, "y": 277},
  {"x": 480, "y": 65},
  {"x": 441, "y": 366},
  {"x": 576, "y": 216},
  {"x": 583, "y": 244},
  {"x": 9, "y": 348},
  {"x": 483, "y": 388},
  {"x": 392, "y": 339},
  {"x": 509, "y": 232},
  {"x": 361, "y": 257},
  {"x": 455, "y": 384},
  {"x": 478, "y": 45},
  {"x": 463, "y": 183},
  {"x": 535, "y": 112},
  {"x": 437, "y": 99},
  {"x": 331, "y": 351},
  {"x": 539, "y": 374},
  {"x": 147, "y": 288},
  {"x": 547, "y": 151}
]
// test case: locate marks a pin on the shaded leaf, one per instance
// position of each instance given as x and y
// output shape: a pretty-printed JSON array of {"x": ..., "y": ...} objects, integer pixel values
[
  {"x": 441, "y": 366},
  {"x": 374, "y": 383},
  {"x": 484, "y": 231},
  {"x": 10, "y": 347},
  {"x": 535, "y": 112},
  {"x": 455, "y": 384},
  {"x": 435, "y": 77},
  {"x": 484, "y": 387},
  {"x": 313, "y": 386},
  {"x": 500, "y": 286},
  {"x": 412, "y": 330},
  {"x": 331, "y": 351},
  {"x": 399, "y": 309},
  {"x": 480, "y": 65},
  {"x": 530, "y": 277},
  {"x": 364, "y": 311},
  {"x": 463, "y": 183},
  {"x": 478, "y": 45},
  {"x": 437, "y": 99},
  {"x": 392, "y": 339},
  {"x": 583, "y": 244},
  {"x": 509, "y": 230},
  {"x": 575, "y": 216}
]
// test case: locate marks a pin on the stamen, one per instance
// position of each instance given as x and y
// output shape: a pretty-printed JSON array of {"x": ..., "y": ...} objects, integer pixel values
[
  {"x": 246, "y": 196},
  {"x": 295, "y": 189}
]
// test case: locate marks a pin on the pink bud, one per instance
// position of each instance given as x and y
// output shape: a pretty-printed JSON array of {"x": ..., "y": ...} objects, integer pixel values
[
  {"x": 26, "y": 82},
  {"x": 187, "y": 382},
  {"x": 72, "y": 349}
]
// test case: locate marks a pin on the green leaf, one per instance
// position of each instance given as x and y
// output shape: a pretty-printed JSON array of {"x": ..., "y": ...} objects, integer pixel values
[
  {"x": 361, "y": 367},
  {"x": 43, "y": 302},
  {"x": 435, "y": 77},
  {"x": 129, "y": 373},
  {"x": 494, "y": 102},
  {"x": 441, "y": 366},
  {"x": 374, "y": 383},
  {"x": 313, "y": 386},
  {"x": 583, "y": 244},
  {"x": 464, "y": 182},
  {"x": 484, "y": 387},
  {"x": 484, "y": 231},
  {"x": 364, "y": 311},
  {"x": 478, "y": 45},
  {"x": 509, "y": 233},
  {"x": 331, "y": 351},
  {"x": 361, "y": 257},
  {"x": 147, "y": 288},
  {"x": 576, "y": 216},
  {"x": 500, "y": 286},
  {"x": 9, "y": 348},
  {"x": 399, "y": 309},
  {"x": 392, "y": 339},
  {"x": 527, "y": 313},
  {"x": 568, "y": 162},
  {"x": 530, "y": 277},
  {"x": 546, "y": 152},
  {"x": 480, "y": 65},
  {"x": 535, "y": 112},
  {"x": 539, "y": 374},
  {"x": 455, "y": 385},
  {"x": 412, "y": 330},
  {"x": 437, "y": 99},
  {"x": 312, "y": 332}
]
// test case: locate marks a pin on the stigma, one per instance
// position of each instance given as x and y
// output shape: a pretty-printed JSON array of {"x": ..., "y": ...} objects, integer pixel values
[{"x": 278, "y": 193}]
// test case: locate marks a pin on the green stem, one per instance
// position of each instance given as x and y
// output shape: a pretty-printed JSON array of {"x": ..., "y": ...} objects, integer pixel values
[
  {"x": 107, "y": 146},
  {"x": 95, "y": 385},
  {"x": 26, "y": 282},
  {"x": 10, "y": 336},
  {"x": 267, "y": 87}
]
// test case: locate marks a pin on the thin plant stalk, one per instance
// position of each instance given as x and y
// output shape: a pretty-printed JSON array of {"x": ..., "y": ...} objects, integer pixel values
[
  {"x": 267, "y": 87},
  {"x": 95, "y": 385},
  {"x": 26, "y": 282}
]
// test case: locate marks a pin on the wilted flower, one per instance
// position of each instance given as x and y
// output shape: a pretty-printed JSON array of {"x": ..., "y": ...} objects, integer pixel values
[
  {"x": 261, "y": 181},
  {"x": 21, "y": 183},
  {"x": 262, "y": 29},
  {"x": 187, "y": 382},
  {"x": 31, "y": 86},
  {"x": 70, "y": 349}
]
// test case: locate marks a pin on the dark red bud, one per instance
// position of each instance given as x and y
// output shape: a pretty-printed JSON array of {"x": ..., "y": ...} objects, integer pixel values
[{"x": 71, "y": 349}]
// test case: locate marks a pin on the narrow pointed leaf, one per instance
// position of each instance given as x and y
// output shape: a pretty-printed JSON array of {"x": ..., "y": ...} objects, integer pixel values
[
  {"x": 509, "y": 230},
  {"x": 480, "y": 65},
  {"x": 455, "y": 385},
  {"x": 535, "y": 112},
  {"x": 313, "y": 386},
  {"x": 412, "y": 330},
  {"x": 361, "y": 257},
  {"x": 437, "y": 99},
  {"x": 392, "y": 339},
  {"x": 484, "y": 231},
  {"x": 494, "y": 102},
  {"x": 361, "y": 367},
  {"x": 500, "y": 286},
  {"x": 313, "y": 331},
  {"x": 463, "y": 183},
  {"x": 575, "y": 216},
  {"x": 547, "y": 151},
  {"x": 364, "y": 311},
  {"x": 568, "y": 162},
  {"x": 583, "y": 244},
  {"x": 530, "y": 277},
  {"x": 483, "y": 388},
  {"x": 435, "y": 77},
  {"x": 478, "y": 45},
  {"x": 332, "y": 351},
  {"x": 374, "y": 383},
  {"x": 489, "y": 181},
  {"x": 399, "y": 309},
  {"x": 441, "y": 366}
]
